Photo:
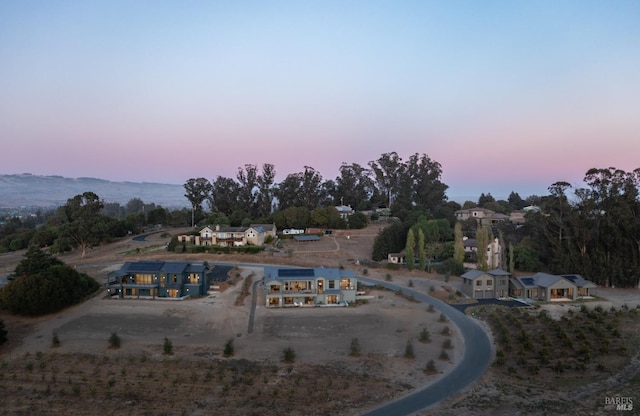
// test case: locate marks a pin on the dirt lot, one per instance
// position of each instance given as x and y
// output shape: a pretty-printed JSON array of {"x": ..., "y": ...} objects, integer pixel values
[
  {"x": 198, "y": 330},
  {"x": 84, "y": 376}
]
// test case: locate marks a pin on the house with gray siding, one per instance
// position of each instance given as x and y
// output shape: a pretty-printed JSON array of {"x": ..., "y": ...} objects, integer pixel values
[
  {"x": 491, "y": 284},
  {"x": 308, "y": 287},
  {"x": 550, "y": 287},
  {"x": 159, "y": 279}
]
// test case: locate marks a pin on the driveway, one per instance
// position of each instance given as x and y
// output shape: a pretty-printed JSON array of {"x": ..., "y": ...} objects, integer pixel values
[{"x": 477, "y": 356}]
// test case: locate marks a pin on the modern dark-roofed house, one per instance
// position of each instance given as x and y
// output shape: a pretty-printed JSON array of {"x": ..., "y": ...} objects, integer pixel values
[
  {"x": 159, "y": 279},
  {"x": 309, "y": 287}
]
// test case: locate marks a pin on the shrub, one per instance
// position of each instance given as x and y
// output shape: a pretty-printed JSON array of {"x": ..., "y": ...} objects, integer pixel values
[
  {"x": 3, "y": 333},
  {"x": 114, "y": 340},
  {"x": 446, "y": 331},
  {"x": 447, "y": 344},
  {"x": 425, "y": 336},
  {"x": 431, "y": 367},
  {"x": 443, "y": 318},
  {"x": 410, "y": 283},
  {"x": 355, "y": 347},
  {"x": 430, "y": 308},
  {"x": 288, "y": 355},
  {"x": 167, "y": 346},
  {"x": 408, "y": 350},
  {"x": 443, "y": 355},
  {"x": 228, "y": 348},
  {"x": 55, "y": 341}
]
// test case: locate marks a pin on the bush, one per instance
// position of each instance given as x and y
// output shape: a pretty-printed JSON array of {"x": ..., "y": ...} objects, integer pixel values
[
  {"x": 355, "y": 347},
  {"x": 425, "y": 336},
  {"x": 114, "y": 340},
  {"x": 167, "y": 346},
  {"x": 443, "y": 355},
  {"x": 431, "y": 367},
  {"x": 55, "y": 341},
  {"x": 408, "y": 350},
  {"x": 228, "y": 348},
  {"x": 3, "y": 333},
  {"x": 288, "y": 355}
]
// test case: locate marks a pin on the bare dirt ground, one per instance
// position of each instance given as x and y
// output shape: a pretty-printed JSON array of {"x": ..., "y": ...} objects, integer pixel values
[
  {"x": 84, "y": 376},
  {"x": 199, "y": 329}
]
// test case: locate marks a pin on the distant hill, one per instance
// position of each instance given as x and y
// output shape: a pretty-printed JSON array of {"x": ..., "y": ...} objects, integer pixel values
[{"x": 27, "y": 190}]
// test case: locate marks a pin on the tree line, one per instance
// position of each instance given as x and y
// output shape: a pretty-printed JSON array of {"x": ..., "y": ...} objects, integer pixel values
[
  {"x": 386, "y": 182},
  {"x": 592, "y": 230}
]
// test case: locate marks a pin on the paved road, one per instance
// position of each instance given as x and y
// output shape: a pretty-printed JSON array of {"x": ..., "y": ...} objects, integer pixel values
[
  {"x": 477, "y": 356},
  {"x": 482, "y": 302}
]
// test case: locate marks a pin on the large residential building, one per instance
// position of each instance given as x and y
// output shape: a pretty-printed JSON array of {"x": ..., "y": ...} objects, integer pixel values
[
  {"x": 159, "y": 279},
  {"x": 498, "y": 283},
  {"x": 551, "y": 287},
  {"x": 483, "y": 216},
  {"x": 309, "y": 287},
  {"x": 485, "y": 285},
  {"x": 221, "y": 236}
]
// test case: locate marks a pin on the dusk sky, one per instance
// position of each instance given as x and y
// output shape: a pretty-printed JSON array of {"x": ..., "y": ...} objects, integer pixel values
[{"x": 505, "y": 95}]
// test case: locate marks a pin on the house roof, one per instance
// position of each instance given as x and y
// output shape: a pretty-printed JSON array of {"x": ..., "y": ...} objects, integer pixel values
[
  {"x": 133, "y": 267},
  {"x": 275, "y": 273},
  {"x": 470, "y": 242},
  {"x": 499, "y": 272},
  {"x": 545, "y": 279},
  {"x": 473, "y": 274},
  {"x": 265, "y": 227},
  {"x": 306, "y": 238},
  {"x": 579, "y": 281},
  {"x": 470, "y": 210}
]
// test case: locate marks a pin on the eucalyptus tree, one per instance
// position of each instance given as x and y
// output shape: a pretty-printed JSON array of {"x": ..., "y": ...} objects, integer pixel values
[
  {"x": 247, "y": 178},
  {"x": 387, "y": 171},
  {"x": 197, "y": 190},
  {"x": 425, "y": 176},
  {"x": 224, "y": 195},
  {"x": 264, "y": 197},
  {"x": 354, "y": 186},
  {"x": 302, "y": 189}
]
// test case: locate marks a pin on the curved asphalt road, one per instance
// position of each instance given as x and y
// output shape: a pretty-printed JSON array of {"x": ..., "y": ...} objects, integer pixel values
[{"x": 477, "y": 356}]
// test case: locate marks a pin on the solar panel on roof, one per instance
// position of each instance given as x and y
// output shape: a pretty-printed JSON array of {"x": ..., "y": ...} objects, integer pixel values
[
  {"x": 528, "y": 281},
  {"x": 296, "y": 273},
  {"x": 571, "y": 277},
  {"x": 146, "y": 266}
]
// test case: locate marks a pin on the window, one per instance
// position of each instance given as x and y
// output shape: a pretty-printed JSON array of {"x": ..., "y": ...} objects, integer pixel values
[
  {"x": 478, "y": 282},
  {"x": 332, "y": 284},
  {"x": 489, "y": 282},
  {"x": 175, "y": 278}
]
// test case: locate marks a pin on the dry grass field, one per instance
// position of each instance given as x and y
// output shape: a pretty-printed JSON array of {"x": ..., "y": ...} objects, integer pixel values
[{"x": 84, "y": 376}]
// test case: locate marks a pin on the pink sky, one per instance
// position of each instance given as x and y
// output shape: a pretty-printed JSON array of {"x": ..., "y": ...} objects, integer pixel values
[{"x": 506, "y": 96}]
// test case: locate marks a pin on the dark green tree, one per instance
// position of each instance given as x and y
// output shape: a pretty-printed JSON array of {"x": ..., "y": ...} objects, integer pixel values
[
  {"x": 197, "y": 190},
  {"x": 224, "y": 195},
  {"x": 357, "y": 221},
  {"x": 3, "y": 333},
  {"x": 83, "y": 225}
]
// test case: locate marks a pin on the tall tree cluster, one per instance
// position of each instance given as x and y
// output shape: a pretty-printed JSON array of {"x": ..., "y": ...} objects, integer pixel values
[
  {"x": 386, "y": 182},
  {"x": 595, "y": 231}
]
